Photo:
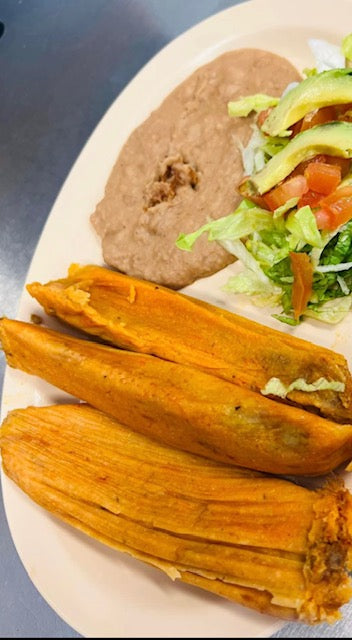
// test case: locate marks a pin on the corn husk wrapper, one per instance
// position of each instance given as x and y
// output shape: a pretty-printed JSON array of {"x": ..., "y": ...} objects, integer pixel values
[
  {"x": 260, "y": 541},
  {"x": 180, "y": 405},
  {"x": 145, "y": 317}
]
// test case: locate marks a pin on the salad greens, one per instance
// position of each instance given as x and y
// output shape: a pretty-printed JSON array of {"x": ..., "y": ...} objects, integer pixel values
[
  {"x": 256, "y": 103},
  {"x": 263, "y": 239},
  {"x": 263, "y": 242},
  {"x": 346, "y": 47}
]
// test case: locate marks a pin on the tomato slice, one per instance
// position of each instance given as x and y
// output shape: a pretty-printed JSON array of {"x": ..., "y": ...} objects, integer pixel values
[
  {"x": 343, "y": 163},
  {"x": 322, "y": 177},
  {"x": 342, "y": 192},
  {"x": 258, "y": 201},
  {"x": 342, "y": 108},
  {"x": 293, "y": 187},
  {"x": 301, "y": 167},
  {"x": 324, "y": 219},
  {"x": 302, "y": 287},
  {"x": 318, "y": 116},
  {"x": 345, "y": 112},
  {"x": 339, "y": 206},
  {"x": 311, "y": 198}
]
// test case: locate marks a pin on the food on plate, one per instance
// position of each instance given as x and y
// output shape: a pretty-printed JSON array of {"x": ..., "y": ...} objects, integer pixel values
[
  {"x": 195, "y": 378},
  {"x": 331, "y": 87},
  {"x": 332, "y": 138},
  {"x": 292, "y": 232},
  {"x": 180, "y": 405},
  {"x": 144, "y": 317},
  {"x": 260, "y": 541},
  {"x": 180, "y": 168}
]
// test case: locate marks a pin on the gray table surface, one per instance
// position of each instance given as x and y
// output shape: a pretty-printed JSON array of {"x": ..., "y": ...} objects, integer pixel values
[{"x": 62, "y": 63}]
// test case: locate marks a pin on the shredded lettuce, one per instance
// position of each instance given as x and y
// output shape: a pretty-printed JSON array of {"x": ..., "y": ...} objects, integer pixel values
[
  {"x": 327, "y": 55},
  {"x": 243, "y": 107},
  {"x": 339, "y": 248},
  {"x": 268, "y": 255},
  {"x": 343, "y": 285},
  {"x": 346, "y": 47},
  {"x": 310, "y": 72},
  {"x": 333, "y": 268},
  {"x": 290, "y": 204},
  {"x": 275, "y": 386},
  {"x": 290, "y": 320},
  {"x": 245, "y": 220},
  {"x": 303, "y": 227},
  {"x": 316, "y": 253},
  {"x": 253, "y": 155},
  {"x": 332, "y": 311},
  {"x": 262, "y": 240},
  {"x": 273, "y": 144},
  {"x": 248, "y": 283},
  {"x": 252, "y": 280},
  {"x": 259, "y": 149},
  {"x": 238, "y": 249}
]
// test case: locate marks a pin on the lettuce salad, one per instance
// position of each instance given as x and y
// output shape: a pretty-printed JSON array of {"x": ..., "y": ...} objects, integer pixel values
[{"x": 263, "y": 239}]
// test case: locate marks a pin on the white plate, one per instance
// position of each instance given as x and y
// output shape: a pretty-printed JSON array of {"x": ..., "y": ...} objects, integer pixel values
[{"x": 99, "y": 592}]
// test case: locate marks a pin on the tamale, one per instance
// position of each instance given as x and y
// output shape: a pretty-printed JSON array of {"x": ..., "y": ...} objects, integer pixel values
[
  {"x": 180, "y": 405},
  {"x": 260, "y": 541},
  {"x": 145, "y": 317}
]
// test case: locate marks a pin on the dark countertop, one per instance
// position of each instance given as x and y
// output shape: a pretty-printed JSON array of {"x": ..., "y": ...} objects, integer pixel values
[{"x": 62, "y": 63}]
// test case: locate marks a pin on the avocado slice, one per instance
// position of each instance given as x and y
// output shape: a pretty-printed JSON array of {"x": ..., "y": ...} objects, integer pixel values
[
  {"x": 347, "y": 181},
  {"x": 332, "y": 138},
  {"x": 324, "y": 89}
]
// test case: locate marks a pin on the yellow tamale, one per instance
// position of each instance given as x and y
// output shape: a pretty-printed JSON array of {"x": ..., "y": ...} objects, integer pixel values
[
  {"x": 261, "y": 541},
  {"x": 145, "y": 317},
  {"x": 180, "y": 405}
]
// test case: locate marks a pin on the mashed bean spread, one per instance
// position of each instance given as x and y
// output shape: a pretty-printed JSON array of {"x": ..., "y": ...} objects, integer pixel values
[{"x": 180, "y": 168}]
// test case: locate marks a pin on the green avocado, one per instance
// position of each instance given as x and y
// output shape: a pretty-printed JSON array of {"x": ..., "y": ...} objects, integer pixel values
[
  {"x": 326, "y": 88},
  {"x": 347, "y": 181},
  {"x": 333, "y": 139}
]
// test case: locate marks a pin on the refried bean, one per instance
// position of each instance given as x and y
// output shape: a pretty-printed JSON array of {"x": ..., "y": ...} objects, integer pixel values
[{"x": 181, "y": 167}]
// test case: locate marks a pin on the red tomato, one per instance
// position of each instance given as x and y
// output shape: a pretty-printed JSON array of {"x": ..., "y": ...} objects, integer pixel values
[
  {"x": 295, "y": 128},
  {"x": 339, "y": 206},
  {"x": 311, "y": 198},
  {"x": 346, "y": 117},
  {"x": 258, "y": 201},
  {"x": 324, "y": 220},
  {"x": 302, "y": 287},
  {"x": 318, "y": 116},
  {"x": 293, "y": 187},
  {"x": 300, "y": 169},
  {"x": 343, "y": 163},
  {"x": 340, "y": 194},
  {"x": 344, "y": 112},
  {"x": 322, "y": 177},
  {"x": 342, "y": 108}
]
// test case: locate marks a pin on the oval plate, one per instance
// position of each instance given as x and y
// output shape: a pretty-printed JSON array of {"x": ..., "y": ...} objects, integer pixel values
[{"x": 100, "y": 592}]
